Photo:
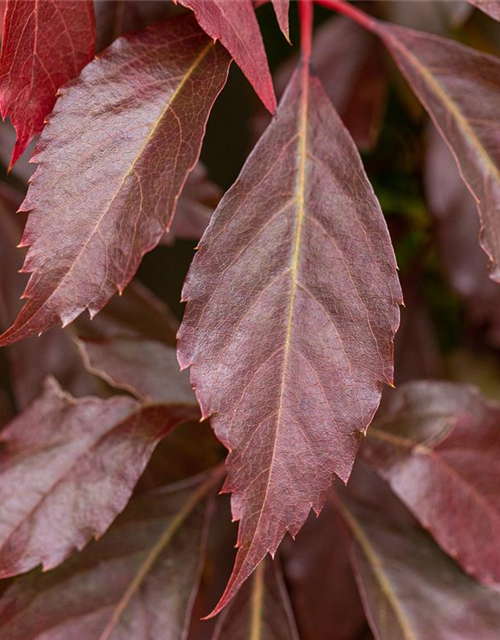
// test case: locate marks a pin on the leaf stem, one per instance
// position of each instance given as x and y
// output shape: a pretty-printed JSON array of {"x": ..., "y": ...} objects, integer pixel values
[
  {"x": 306, "y": 9},
  {"x": 362, "y": 18}
]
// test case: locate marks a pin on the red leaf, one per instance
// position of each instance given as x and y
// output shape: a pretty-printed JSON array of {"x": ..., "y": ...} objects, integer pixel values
[
  {"x": 491, "y": 7},
  {"x": 282, "y": 9},
  {"x": 112, "y": 165},
  {"x": 457, "y": 230},
  {"x": 146, "y": 368},
  {"x": 233, "y": 22},
  {"x": 137, "y": 583},
  {"x": 459, "y": 87},
  {"x": 410, "y": 588},
  {"x": 75, "y": 478},
  {"x": 449, "y": 481},
  {"x": 287, "y": 339},
  {"x": 261, "y": 610},
  {"x": 46, "y": 43}
]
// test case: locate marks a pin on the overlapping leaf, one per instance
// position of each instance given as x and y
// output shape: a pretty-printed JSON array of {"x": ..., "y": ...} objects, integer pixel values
[
  {"x": 234, "y": 23},
  {"x": 112, "y": 165},
  {"x": 491, "y": 7},
  {"x": 457, "y": 231},
  {"x": 45, "y": 44},
  {"x": 145, "y": 368},
  {"x": 282, "y": 9},
  {"x": 460, "y": 88},
  {"x": 261, "y": 611},
  {"x": 288, "y": 340},
  {"x": 403, "y": 576},
  {"x": 77, "y": 469},
  {"x": 137, "y": 583},
  {"x": 448, "y": 480}
]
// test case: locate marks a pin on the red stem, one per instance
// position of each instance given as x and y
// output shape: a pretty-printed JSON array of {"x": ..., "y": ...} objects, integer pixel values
[
  {"x": 362, "y": 18},
  {"x": 306, "y": 28}
]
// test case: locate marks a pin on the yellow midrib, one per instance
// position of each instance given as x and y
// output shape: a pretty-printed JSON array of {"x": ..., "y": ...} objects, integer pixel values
[
  {"x": 155, "y": 552},
  {"x": 451, "y": 106},
  {"x": 377, "y": 568},
  {"x": 257, "y": 603}
]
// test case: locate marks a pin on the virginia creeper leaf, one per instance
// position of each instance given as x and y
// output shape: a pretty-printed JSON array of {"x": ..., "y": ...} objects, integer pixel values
[
  {"x": 457, "y": 231},
  {"x": 261, "y": 611},
  {"x": 322, "y": 587},
  {"x": 448, "y": 480},
  {"x": 146, "y": 368},
  {"x": 282, "y": 9},
  {"x": 112, "y": 165},
  {"x": 45, "y": 44},
  {"x": 460, "y": 88},
  {"x": 403, "y": 574},
  {"x": 491, "y": 7},
  {"x": 66, "y": 480},
  {"x": 288, "y": 340},
  {"x": 137, "y": 583},
  {"x": 356, "y": 84},
  {"x": 234, "y": 23}
]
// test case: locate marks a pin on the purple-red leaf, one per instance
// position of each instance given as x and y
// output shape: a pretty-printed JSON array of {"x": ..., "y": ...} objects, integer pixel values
[
  {"x": 68, "y": 467},
  {"x": 448, "y": 480},
  {"x": 282, "y": 9},
  {"x": 411, "y": 589},
  {"x": 491, "y": 7},
  {"x": 137, "y": 583},
  {"x": 460, "y": 88},
  {"x": 146, "y": 368},
  {"x": 112, "y": 165},
  {"x": 45, "y": 44},
  {"x": 288, "y": 340},
  {"x": 457, "y": 231},
  {"x": 234, "y": 23},
  {"x": 261, "y": 610}
]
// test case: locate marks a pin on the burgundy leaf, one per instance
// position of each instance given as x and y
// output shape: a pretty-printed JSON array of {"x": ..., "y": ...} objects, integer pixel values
[
  {"x": 491, "y": 7},
  {"x": 356, "y": 83},
  {"x": 322, "y": 586},
  {"x": 457, "y": 233},
  {"x": 45, "y": 44},
  {"x": 411, "y": 589},
  {"x": 137, "y": 583},
  {"x": 112, "y": 165},
  {"x": 288, "y": 340},
  {"x": 460, "y": 88},
  {"x": 195, "y": 207},
  {"x": 146, "y": 368},
  {"x": 68, "y": 467},
  {"x": 31, "y": 360},
  {"x": 261, "y": 611},
  {"x": 234, "y": 23},
  {"x": 448, "y": 480}
]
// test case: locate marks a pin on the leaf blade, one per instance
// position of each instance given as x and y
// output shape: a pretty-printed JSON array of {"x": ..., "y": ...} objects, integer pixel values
[{"x": 269, "y": 369}]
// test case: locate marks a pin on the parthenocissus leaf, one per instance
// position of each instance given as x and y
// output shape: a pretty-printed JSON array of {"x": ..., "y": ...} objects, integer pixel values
[
  {"x": 77, "y": 470},
  {"x": 234, "y": 23},
  {"x": 45, "y": 44},
  {"x": 113, "y": 160},
  {"x": 292, "y": 308}
]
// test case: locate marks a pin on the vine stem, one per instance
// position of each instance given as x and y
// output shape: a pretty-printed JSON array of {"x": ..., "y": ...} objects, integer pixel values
[
  {"x": 306, "y": 28},
  {"x": 362, "y": 18}
]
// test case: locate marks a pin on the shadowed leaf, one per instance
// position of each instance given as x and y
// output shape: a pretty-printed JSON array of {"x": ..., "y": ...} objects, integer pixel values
[
  {"x": 261, "y": 611},
  {"x": 112, "y": 165},
  {"x": 77, "y": 462},
  {"x": 447, "y": 479},
  {"x": 460, "y": 88},
  {"x": 288, "y": 340},
  {"x": 402, "y": 574},
  {"x": 45, "y": 44},
  {"x": 137, "y": 583}
]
